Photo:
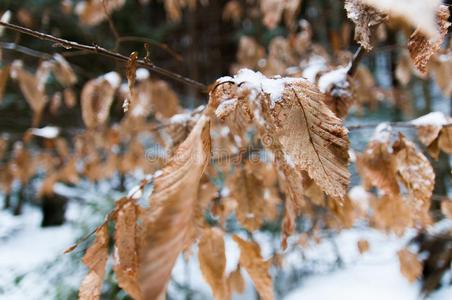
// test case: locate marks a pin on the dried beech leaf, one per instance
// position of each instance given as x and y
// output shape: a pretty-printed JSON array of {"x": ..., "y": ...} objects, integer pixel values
[
  {"x": 126, "y": 249},
  {"x": 441, "y": 67},
  {"x": 377, "y": 167},
  {"x": 272, "y": 11},
  {"x": 97, "y": 97},
  {"x": 312, "y": 137},
  {"x": 410, "y": 266},
  {"x": 169, "y": 218},
  {"x": 95, "y": 259},
  {"x": 63, "y": 71},
  {"x": 364, "y": 17},
  {"x": 420, "y": 13},
  {"x": 252, "y": 261},
  {"x": 391, "y": 214},
  {"x": 165, "y": 103},
  {"x": 422, "y": 48},
  {"x": 363, "y": 246},
  {"x": 235, "y": 281},
  {"x": 415, "y": 171},
  {"x": 232, "y": 11},
  {"x": 445, "y": 139},
  {"x": 212, "y": 261}
]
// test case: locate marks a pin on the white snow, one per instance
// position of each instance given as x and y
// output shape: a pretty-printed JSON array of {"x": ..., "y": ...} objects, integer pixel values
[
  {"x": 335, "y": 77},
  {"x": 180, "y": 118},
  {"x": 142, "y": 74},
  {"x": 136, "y": 192},
  {"x": 113, "y": 79},
  {"x": 6, "y": 17},
  {"x": 382, "y": 133},
  {"x": 274, "y": 87},
  {"x": 48, "y": 132},
  {"x": 435, "y": 118},
  {"x": 315, "y": 65}
]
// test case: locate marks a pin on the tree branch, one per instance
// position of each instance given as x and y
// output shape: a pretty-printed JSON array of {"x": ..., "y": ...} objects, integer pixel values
[
  {"x": 102, "y": 51},
  {"x": 359, "y": 54}
]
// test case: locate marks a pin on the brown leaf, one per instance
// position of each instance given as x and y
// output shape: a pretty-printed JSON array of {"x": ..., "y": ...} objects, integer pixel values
[
  {"x": 415, "y": 172},
  {"x": 441, "y": 67},
  {"x": 391, "y": 214},
  {"x": 70, "y": 99},
  {"x": 95, "y": 259},
  {"x": 165, "y": 103},
  {"x": 235, "y": 281},
  {"x": 422, "y": 48},
  {"x": 97, "y": 97},
  {"x": 364, "y": 17},
  {"x": 232, "y": 11},
  {"x": 410, "y": 266},
  {"x": 312, "y": 138},
  {"x": 63, "y": 71},
  {"x": 363, "y": 246},
  {"x": 168, "y": 220},
  {"x": 212, "y": 261},
  {"x": 252, "y": 261},
  {"x": 126, "y": 249},
  {"x": 445, "y": 139},
  {"x": 272, "y": 11}
]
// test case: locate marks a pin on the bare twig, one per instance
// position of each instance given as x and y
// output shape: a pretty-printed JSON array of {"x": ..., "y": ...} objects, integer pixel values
[
  {"x": 162, "y": 46},
  {"x": 355, "y": 61},
  {"x": 102, "y": 51},
  {"x": 111, "y": 24}
]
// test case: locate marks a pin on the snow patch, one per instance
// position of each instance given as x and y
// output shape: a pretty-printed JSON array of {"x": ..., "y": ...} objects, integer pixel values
[
  {"x": 435, "y": 118},
  {"x": 335, "y": 77},
  {"x": 48, "y": 132}
]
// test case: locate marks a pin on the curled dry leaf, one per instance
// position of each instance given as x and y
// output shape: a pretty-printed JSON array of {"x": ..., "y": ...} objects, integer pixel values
[
  {"x": 420, "y": 13},
  {"x": 97, "y": 97},
  {"x": 364, "y": 17},
  {"x": 252, "y": 261},
  {"x": 95, "y": 259},
  {"x": 131, "y": 74},
  {"x": 421, "y": 47},
  {"x": 212, "y": 261},
  {"x": 168, "y": 220},
  {"x": 410, "y": 266},
  {"x": 126, "y": 247}
]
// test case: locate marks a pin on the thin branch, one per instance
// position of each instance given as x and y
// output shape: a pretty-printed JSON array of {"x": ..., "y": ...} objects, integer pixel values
[
  {"x": 162, "y": 46},
  {"x": 111, "y": 24},
  {"x": 102, "y": 51},
  {"x": 359, "y": 54},
  {"x": 25, "y": 50}
]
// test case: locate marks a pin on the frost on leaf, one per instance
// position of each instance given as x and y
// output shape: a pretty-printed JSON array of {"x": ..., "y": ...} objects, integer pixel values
[
  {"x": 252, "y": 261},
  {"x": 421, "y": 47},
  {"x": 97, "y": 97},
  {"x": 95, "y": 259},
  {"x": 168, "y": 220},
  {"x": 212, "y": 261},
  {"x": 126, "y": 248},
  {"x": 364, "y": 17},
  {"x": 414, "y": 12},
  {"x": 410, "y": 266},
  {"x": 312, "y": 136}
]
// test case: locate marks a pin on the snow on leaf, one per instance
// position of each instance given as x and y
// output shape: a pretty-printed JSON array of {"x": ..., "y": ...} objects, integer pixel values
[
  {"x": 97, "y": 97},
  {"x": 168, "y": 220},
  {"x": 63, "y": 71},
  {"x": 252, "y": 261},
  {"x": 415, "y": 171},
  {"x": 126, "y": 248},
  {"x": 364, "y": 17},
  {"x": 415, "y": 12},
  {"x": 212, "y": 261},
  {"x": 95, "y": 259},
  {"x": 312, "y": 136},
  {"x": 422, "y": 48}
]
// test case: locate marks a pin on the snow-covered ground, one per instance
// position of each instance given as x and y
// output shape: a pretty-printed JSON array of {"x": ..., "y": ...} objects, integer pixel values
[{"x": 29, "y": 253}]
